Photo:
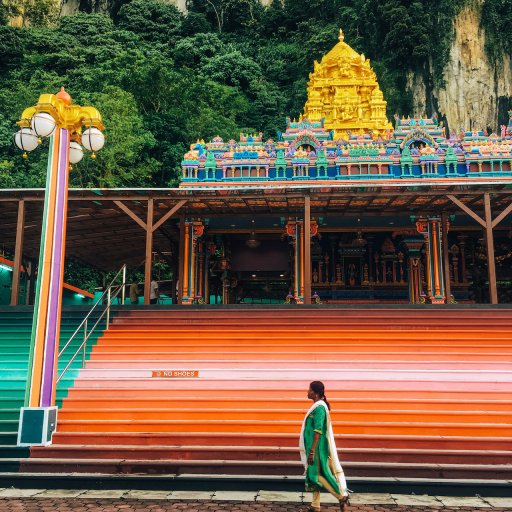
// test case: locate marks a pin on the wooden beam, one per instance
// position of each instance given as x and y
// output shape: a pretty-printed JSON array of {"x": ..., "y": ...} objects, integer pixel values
[
  {"x": 181, "y": 253},
  {"x": 502, "y": 215},
  {"x": 446, "y": 259},
  {"x": 169, "y": 214},
  {"x": 491, "y": 264},
  {"x": 132, "y": 215},
  {"x": 18, "y": 250},
  {"x": 148, "y": 267},
  {"x": 307, "y": 250},
  {"x": 470, "y": 212}
]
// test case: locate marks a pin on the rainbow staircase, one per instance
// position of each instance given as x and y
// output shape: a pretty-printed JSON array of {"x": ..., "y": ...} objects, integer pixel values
[
  {"x": 415, "y": 393},
  {"x": 15, "y": 330}
]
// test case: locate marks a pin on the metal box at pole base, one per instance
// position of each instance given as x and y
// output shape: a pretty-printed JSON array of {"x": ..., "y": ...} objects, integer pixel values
[{"x": 37, "y": 425}]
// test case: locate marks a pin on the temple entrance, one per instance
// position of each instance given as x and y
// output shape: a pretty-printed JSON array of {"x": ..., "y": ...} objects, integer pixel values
[
  {"x": 249, "y": 268},
  {"x": 258, "y": 261}
]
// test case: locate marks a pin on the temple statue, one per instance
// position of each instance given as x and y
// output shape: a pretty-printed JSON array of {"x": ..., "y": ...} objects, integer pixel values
[{"x": 344, "y": 90}]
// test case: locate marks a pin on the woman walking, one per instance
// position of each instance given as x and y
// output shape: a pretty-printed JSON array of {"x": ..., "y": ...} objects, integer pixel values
[{"x": 318, "y": 451}]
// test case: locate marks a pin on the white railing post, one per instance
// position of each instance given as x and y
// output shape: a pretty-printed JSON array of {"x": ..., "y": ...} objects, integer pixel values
[
  {"x": 108, "y": 308},
  {"x": 85, "y": 344},
  {"x": 123, "y": 291}
]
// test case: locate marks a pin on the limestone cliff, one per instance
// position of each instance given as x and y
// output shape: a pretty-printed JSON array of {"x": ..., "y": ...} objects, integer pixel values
[
  {"x": 475, "y": 93},
  {"x": 103, "y": 6}
]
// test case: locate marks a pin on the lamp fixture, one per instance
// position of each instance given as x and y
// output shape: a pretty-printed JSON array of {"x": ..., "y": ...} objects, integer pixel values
[{"x": 252, "y": 242}]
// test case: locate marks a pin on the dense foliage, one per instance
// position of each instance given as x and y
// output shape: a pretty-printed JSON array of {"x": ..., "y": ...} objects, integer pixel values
[{"x": 162, "y": 79}]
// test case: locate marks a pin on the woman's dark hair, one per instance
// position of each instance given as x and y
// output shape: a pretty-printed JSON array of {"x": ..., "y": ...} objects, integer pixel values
[{"x": 319, "y": 388}]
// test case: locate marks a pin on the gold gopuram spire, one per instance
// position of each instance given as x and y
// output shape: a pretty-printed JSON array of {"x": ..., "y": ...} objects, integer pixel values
[{"x": 343, "y": 89}]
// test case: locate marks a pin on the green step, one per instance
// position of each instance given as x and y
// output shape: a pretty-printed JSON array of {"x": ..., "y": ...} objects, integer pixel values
[
  {"x": 10, "y": 403},
  {"x": 8, "y": 425},
  {"x": 18, "y": 365},
  {"x": 19, "y": 394},
  {"x": 9, "y": 414},
  {"x": 9, "y": 465},
  {"x": 14, "y": 452},
  {"x": 9, "y": 438}
]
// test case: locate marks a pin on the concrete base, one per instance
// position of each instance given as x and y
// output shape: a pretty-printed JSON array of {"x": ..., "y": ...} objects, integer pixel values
[{"x": 36, "y": 426}]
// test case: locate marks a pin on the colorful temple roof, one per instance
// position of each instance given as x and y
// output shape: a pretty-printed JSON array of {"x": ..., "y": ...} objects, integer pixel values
[
  {"x": 307, "y": 152},
  {"x": 319, "y": 148}
]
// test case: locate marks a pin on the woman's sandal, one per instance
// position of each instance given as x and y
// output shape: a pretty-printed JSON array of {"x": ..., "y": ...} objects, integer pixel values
[{"x": 344, "y": 502}]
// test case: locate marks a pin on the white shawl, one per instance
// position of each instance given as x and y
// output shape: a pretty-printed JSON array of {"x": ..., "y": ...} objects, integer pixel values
[{"x": 333, "y": 453}]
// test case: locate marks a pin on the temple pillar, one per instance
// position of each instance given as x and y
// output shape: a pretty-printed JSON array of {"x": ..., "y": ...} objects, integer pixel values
[
  {"x": 307, "y": 251},
  {"x": 193, "y": 231},
  {"x": 430, "y": 228},
  {"x": 295, "y": 230},
  {"x": 413, "y": 246},
  {"x": 181, "y": 261},
  {"x": 462, "y": 256},
  {"x": 489, "y": 242},
  {"x": 148, "y": 265},
  {"x": 446, "y": 260}
]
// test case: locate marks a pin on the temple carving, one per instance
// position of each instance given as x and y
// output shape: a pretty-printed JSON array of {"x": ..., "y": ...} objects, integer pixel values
[{"x": 343, "y": 90}]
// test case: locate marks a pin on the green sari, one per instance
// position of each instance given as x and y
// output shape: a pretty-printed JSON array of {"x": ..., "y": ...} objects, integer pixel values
[{"x": 317, "y": 422}]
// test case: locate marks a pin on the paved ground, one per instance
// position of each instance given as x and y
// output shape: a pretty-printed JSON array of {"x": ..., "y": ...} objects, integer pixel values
[{"x": 40, "y": 500}]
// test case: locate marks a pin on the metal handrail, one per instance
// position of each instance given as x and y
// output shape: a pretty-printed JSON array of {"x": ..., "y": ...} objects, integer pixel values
[{"x": 110, "y": 298}]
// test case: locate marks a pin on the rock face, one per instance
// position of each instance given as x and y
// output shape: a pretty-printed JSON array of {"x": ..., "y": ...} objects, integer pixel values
[
  {"x": 69, "y": 7},
  {"x": 476, "y": 92}
]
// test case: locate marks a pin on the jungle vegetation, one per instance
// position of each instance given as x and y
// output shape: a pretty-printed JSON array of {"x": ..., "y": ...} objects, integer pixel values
[{"x": 162, "y": 78}]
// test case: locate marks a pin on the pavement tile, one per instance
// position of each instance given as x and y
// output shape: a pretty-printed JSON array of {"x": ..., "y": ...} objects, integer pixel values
[
  {"x": 191, "y": 495},
  {"x": 61, "y": 493},
  {"x": 463, "y": 501},
  {"x": 234, "y": 496},
  {"x": 104, "y": 493},
  {"x": 19, "y": 493},
  {"x": 325, "y": 498},
  {"x": 499, "y": 502},
  {"x": 367, "y": 498},
  {"x": 416, "y": 500},
  {"x": 279, "y": 496},
  {"x": 146, "y": 495}
]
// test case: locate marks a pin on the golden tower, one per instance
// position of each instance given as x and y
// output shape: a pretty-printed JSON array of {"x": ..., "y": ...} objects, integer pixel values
[{"x": 343, "y": 89}]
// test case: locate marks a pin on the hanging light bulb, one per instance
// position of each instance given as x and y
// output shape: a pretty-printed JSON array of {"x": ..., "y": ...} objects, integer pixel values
[
  {"x": 252, "y": 242},
  {"x": 76, "y": 152},
  {"x": 27, "y": 140},
  {"x": 93, "y": 139},
  {"x": 43, "y": 124}
]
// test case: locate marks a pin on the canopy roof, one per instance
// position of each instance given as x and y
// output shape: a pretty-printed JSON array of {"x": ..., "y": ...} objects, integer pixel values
[{"x": 101, "y": 234}]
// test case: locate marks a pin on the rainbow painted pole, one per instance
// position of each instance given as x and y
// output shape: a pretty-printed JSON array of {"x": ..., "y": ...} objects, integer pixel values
[
  {"x": 48, "y": 302},
  {"x": 53, "y": 116}
]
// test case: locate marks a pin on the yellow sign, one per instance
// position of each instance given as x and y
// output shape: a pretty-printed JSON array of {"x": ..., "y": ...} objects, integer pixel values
[{"x": 175, "y": 374}]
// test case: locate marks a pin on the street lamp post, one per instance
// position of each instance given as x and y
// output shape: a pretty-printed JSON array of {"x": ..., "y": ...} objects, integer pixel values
[{"x": 56, "y": 117}]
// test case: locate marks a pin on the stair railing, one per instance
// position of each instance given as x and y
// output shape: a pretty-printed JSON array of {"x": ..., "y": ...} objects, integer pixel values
[{"x": 111, "y": 292}]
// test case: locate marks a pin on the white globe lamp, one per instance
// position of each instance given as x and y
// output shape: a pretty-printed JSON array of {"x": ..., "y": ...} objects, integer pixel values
[
  {"x": 93, "y": 139},
  {"x": 26, "y": 139},
  {"x": 76, "y": 153},
  {"x": 43, "y": 124}
]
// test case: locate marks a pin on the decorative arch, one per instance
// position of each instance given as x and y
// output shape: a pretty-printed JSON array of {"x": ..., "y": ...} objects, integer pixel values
[
  {"x": 418, "y": 136},
  {"x": 306, "y": 139}
]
